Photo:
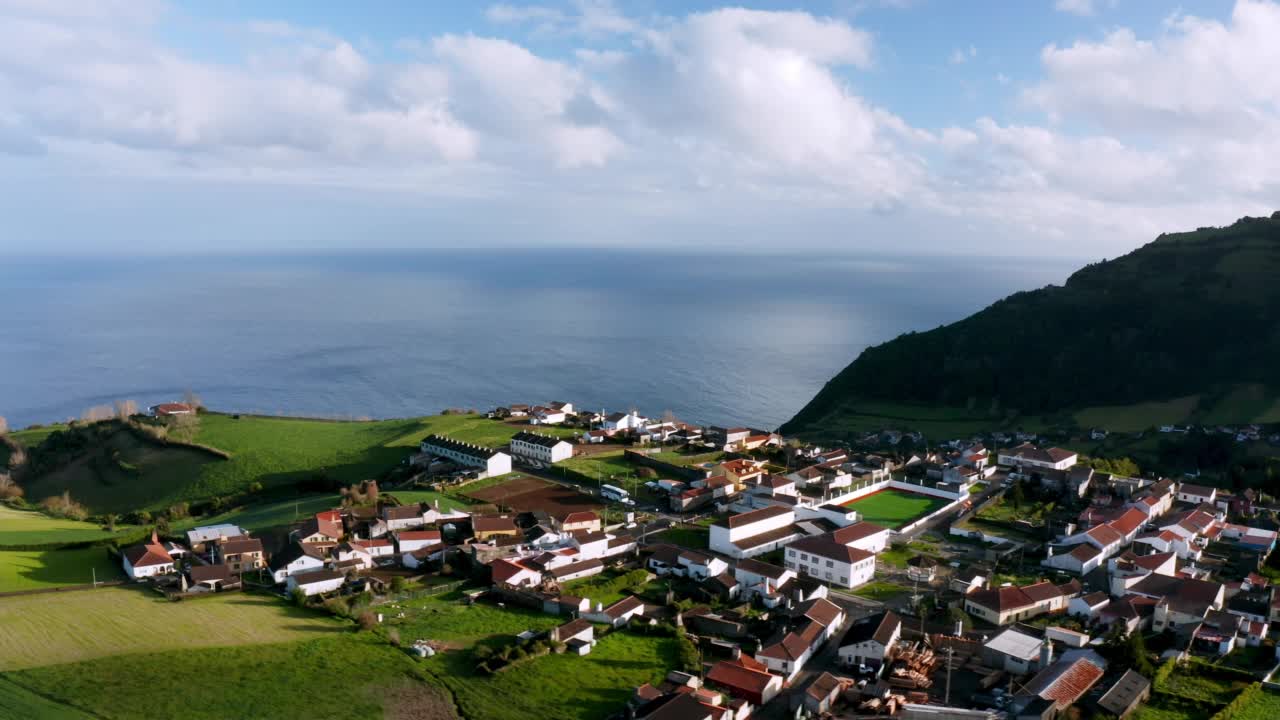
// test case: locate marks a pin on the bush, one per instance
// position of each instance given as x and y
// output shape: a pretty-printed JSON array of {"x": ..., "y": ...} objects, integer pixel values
[
  {"x": 367, "y": 620},
  {"x": 297, "y": 597},
  {"x": 397, "y": 584},
  {"x": 63, "y": 506}
]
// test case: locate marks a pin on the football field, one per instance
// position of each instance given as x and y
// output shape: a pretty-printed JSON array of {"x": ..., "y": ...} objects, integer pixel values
[{"x": 894, "y": 508}]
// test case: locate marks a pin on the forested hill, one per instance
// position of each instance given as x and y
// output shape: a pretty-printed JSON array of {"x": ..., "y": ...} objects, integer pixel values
[{"x": 1190, "y": 314}]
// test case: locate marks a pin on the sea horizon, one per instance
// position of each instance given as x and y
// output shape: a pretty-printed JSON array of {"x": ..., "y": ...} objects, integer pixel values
[{"x": 740, "y": 338}]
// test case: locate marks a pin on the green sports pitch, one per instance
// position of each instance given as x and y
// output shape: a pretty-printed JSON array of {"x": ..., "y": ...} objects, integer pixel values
[{"x": 894, "y": 508}]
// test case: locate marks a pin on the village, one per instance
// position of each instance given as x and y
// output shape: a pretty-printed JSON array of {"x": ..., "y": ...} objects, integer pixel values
[{"x": 974, "y": 581}]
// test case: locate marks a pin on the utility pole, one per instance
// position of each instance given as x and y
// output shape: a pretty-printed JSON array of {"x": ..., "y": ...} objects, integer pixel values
[{"x": 950, "y": 652}]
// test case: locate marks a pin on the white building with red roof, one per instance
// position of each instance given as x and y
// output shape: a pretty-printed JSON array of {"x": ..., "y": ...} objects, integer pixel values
[{"x": 147, "y": 560}]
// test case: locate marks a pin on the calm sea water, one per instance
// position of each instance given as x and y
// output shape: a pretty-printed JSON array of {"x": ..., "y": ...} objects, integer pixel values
[{"x": 713, "y": 338}]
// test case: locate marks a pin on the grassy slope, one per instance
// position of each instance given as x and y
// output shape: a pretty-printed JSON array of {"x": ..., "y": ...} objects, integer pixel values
[
  {"x": 35, "y": 569},
  {"x": 68, "y": 627},
  {"x": 341, "y": 676},
  {"x": 18, "y": 702},
  {"x": 558, "y": 687},
  {"x": 1177, "y": 317},
  {"x": 271, "y": 451},
  {"x": 24, "y": 527}
]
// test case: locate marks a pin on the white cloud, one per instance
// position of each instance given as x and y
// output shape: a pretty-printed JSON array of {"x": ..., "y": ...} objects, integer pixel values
[
  {"x": 706, "y": 119},
  {"x": 1075, "y": 7},
  {"x": 963, "y": 55}
]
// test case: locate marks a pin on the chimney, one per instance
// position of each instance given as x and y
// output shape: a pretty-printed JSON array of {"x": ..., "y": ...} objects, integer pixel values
[
  {"x": 1046, "y": 653},
  {"x": 1049, "y": 549},
  {"x": 959, "y": 628},
  {"x": 736, "y": 652},
  {"x": 599, "y": 607}
]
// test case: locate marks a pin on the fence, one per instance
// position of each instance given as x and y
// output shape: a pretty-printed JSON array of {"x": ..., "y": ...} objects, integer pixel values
[{"x": 416, "y": 594}]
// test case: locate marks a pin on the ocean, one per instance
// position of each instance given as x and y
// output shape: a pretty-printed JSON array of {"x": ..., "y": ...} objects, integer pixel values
[{"x": 713, "y": 338}]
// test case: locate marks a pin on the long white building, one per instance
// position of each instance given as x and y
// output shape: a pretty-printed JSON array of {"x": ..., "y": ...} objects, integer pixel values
[
  {"x": 539, "y": 447},
  {"x": 754, "y": 533},
  {"x": 493, "y": 462}
]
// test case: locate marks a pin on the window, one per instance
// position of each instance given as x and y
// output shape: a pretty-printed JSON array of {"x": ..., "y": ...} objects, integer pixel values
[
  {"x": 804, "y": 556},
  {"x": 828, "y": 575},
  {"x": 831, "y": 563},
  {"x": 844, "y": 580},
  {"x": 791, "y": 552}
]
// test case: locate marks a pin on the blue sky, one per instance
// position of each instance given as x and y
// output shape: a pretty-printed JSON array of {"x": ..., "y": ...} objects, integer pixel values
[{"x": 1077, "y": 128}]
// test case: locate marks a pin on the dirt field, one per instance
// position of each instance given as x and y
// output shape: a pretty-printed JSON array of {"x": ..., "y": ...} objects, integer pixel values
[{"x": 528, "y": 493}]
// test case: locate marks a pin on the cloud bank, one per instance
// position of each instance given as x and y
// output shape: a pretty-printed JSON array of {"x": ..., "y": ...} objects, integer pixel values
[{"x": 691, "y": 124}]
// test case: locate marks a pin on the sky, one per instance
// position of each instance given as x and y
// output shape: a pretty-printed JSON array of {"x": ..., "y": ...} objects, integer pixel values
[{"x": 1059, "y": 128}]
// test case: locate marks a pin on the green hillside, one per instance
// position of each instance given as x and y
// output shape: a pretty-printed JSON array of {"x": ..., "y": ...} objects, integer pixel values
[
  {"x": 1186, "y": 328},
  {"x": 112, "y": 469}
]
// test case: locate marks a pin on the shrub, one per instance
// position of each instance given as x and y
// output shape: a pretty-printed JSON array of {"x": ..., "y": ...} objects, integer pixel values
[
  {"x": 393, "y": 637},
  {"x": 297, "y": 597},
  {"x": 397, "y": 584},
  {"x": 367, "y": 620},
  {"x": 63, "y": 506}
]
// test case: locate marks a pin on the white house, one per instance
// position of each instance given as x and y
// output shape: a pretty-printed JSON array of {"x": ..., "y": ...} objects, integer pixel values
[
  {"x": 147, "y": 560},
  {"x": 864, "y": 535},
  {"x": 410, "y": 540},
  {"x": 1088, "y": 606},
  {"x": 619, "y": 422},
  {"x": 377, "y": 547},
  {"x": 297, "y": 558},
  {"x": 541, "y": 415},
  {"x": 760, "y": 578},
  {"x": 315, "y": 582},
  {"x": 754, "y": 533},
  {"x": 672, "y": 560},
  {"x": 1030, "y": 457},
  {"x": 824, "y": 558},
  {"x": 1196, "y": 494},
  {"x": 512, "y": 572},
  {"x": 492, "y": 462},
  {"x": 198, "y": 537},
  {"x": 788, "y": 656},
  {"x": 869, "y": 639},
  {"x": 540, "y": 448}
]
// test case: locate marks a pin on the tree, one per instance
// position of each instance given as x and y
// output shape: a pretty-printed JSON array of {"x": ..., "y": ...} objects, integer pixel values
[
  {"x": 9, "y": 488},
  {"x": 126, "y": 409},
  {"x": 1017, "y": 495},
  {"x": 397, "y": 584},
  {"x": 297, "y": 597},
  {"x": 184, "y": 428},
  {"x": 1128, "y": 650},
  {"x": 192, "y": 400},
  {"x": 111, "y": 522},
  {"x": 687, "y": 656},
  {"x": 4, "y": 426},
  {"x": 393, "y": 637},
  {"x": 97, "y": 413}
]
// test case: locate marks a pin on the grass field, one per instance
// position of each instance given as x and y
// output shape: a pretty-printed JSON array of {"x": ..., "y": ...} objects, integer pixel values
[
  {"x": 35, "y": 569},
  {"x": 1160, "y": 707},
  {"x": 53, "y": 628},
  {"x": 898, "y": 555},
  {"x": 558, "y": 687},
  {"x": 880, "y": 591},
  {"x": 18, "y": 702},
  {"x": 271, "y": 451},
  {"x": 601, "y": 466},
  {"x": 285, "y": 512},
  {"x": 462, "y": 626},
  {"x": 1264, "y": 706},
  {"x": 341, "y": 676},
  {"x": 26, "y": 527},
  {"x": 894, "y": 508},
  {"x": 1132, "y": 418},
  {"x": 676, "y": 458},
  {"x": 686, "y": 537},
  {"x": 933, "y": 421}
]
